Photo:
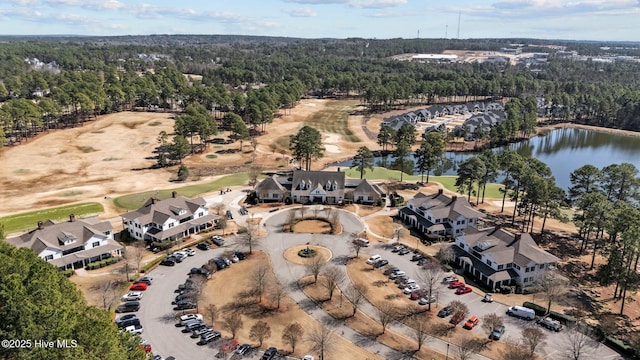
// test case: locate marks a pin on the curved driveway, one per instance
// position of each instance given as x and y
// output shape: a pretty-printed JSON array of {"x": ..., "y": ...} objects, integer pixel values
[{"x": 156, "y": 312}]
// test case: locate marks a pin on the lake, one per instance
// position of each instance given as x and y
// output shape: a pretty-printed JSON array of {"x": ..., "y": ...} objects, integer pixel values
[{"x": 565, "y": 150}]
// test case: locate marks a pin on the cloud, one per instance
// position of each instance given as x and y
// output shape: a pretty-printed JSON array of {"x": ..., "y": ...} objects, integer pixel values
[
  {"x": 317, "y": 2},
  {"x": 301, "y": 12},
  {"x": 376, "y": 4},
  {"x": 25, "y": 2},
  {"x": 87, "y": 4},
  {"x": 554, "y": 8}
]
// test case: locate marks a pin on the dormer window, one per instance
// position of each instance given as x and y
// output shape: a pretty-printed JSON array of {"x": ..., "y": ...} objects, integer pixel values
[{"x": 66, "y": 238}]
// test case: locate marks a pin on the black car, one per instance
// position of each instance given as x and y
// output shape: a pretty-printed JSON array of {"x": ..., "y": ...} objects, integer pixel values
[
  {"x": 168, "y": 262},
  {"x": 221, "y": 264},
  {"x": 203, "y": 246},
  {"x": 186, "y": 297},
  {"x": 229, "y": 215},
  {"x": 129, "y": 306},
  {"x": 184, "y": 305},
  {"x": 240, "y": 255},
  {"x": 390, "y": 270},
  {"x": 417, "y": 257},
  {"x": 380, "y": 263},
  {"x": 446, "y": 311},
  {"x": 131, "y": 322},
  {"x": 269, "y": 354},
  {"x": 126, "y": 317}
]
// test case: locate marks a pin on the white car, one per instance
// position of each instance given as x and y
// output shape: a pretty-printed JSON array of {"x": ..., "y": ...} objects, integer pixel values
[
  {"x": 307, "y": 357},
  {"x": 373, "y": 259},
  {"x": 411, "y": 288},
  {"x": 189, "y": 251},
  {"x": 184, "y": 319},
  {"x": 134, "y": 329},
  {"x": 132, "y": 296}
]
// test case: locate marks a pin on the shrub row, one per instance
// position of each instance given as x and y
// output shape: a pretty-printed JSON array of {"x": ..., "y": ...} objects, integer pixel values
[
  {"x": 540, "y": 310},
  {"x": 153, "y": 263},
  {"x": 102, "y": 263},
  {"x": 620, "y": 345},
  {"x": 67, "y": 273},
  {"x": 564, "y": 319}
]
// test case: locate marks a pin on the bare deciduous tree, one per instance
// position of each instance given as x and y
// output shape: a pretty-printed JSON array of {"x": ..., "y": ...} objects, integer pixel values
[
  {"x": 260, "y": 331},
  {"x": 467, "y": 346},
  {"x": 198, "y": 284},
  {"x": 212, "y": 312},
  {"x": 356, "y": 294},
  {"x": 387, "y": 313},
  {"x": 514, "y": 350},
  {"x": 551, "y": 287},
  {"x": 322, "y": 340},
  {"x": 248, "y": 240},
  {"x": 254, "y": 172},
  {"x": 420, "y": 325},
  {"x": 314, "y": 267},
  {"x": 107, "y": 294},
  {"x": 332, "y": 279},
  {"x": 232, "y": 322},
  {"x": 259, "y": 279},
  {"x": 431, "y": 278},
  {"x": 356, "y": 246},
  {"x": 580, "y": 342},
  {"x": 292, "y": 334},
  {"x": 277, "y": 292},
  {"x": 445, "y": 254},
  {"x": 221, "y": 223},
  {"x": 490, "y": 322},
  {"x": 219, "y": 208},
  {"x": 137, "y": 255},
  {"x": 458, "y": 306},
  {"x": 532, "y": 337}
]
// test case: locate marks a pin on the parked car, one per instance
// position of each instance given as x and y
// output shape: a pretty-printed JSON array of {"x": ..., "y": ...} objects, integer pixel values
[
  {"x": 361, "y": 242},
  {"x": 183, "y": 298},
  {"x": 444, "y": 312},
  {"x": 404, "y": 251},
  {"x": 397, "y": 248},
  {"x": 145, "y": 279},
  {"x": 234, "y": 259},
  {"x": 179, "y": 256},
  {"x": 380, "y": 263},
  {"x": 125, "y": 318},
  {"x": 456, "y": 284},
  {"x": 184, "y": 305},
  {"x": 457, "y": 318},
  {"x": 241, "y": 256},
  {"x": 463, "y": 290},
  {"x": 129, "y": 306},
  {"x": 449, "y": 279},
  {"x": 200, "y": 332},
  {"x": 487, "y": 298},
  {"x": 197, "y": 324},
  {"x": 397, "y": 274},
  {"x": 550, "y": 324},
  {"x": 139, "y": 287},
  {"x": 203, "y": 246},
  {"x": 189, "y": 252},
  {"x": 521, "y": 312},
  {"x": 427, "y": 300},
  {"x": 497, "y": 332},
  {"x": 229, "y": 215},
  {"x": 415, "y": 295},
  {"x": 243, "y": 349},
  {"x": 269, "y": 354},
  {"x": 188, "y": 317},
  {"x": 217, "y": 240},
  {"x": 309, "y": 357},
  {"x": 209, "y": 337},
  {"x": 471, "y": 322},
  {"x": 417, "y": 257},
  {"x": 424, "y": 262},
  {"x": 410, "y": 288},
  {"x": 390, "y": 270},
  {"x": 132, "y": 296},
  {"x": 168, "y": 262},
  {"x": 373, "y": 259},
  {"x": 125, "y": 323},
  {"x": 227, "y": 261},
  {"x": 134, "y": 329}
]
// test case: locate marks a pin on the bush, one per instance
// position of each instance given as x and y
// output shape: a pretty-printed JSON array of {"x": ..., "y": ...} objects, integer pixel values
[
  {"x": 540, "y": 310},
  {"x": 102, "y": 263},
  {"x": 620, "y": 345},
  {"x": 161, "y": 245},
  {"x": 242, "y": 230},
  {"x": 67, "y": 273},
  {"x": 564, "y": 319},
  {"x": 152, "y": 263},
  {"x": 183, "y": 173}
]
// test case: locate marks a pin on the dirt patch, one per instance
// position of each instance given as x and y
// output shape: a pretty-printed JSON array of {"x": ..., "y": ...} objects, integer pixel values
[
  {"x": 291, "y": 254},
  {"x": 312, "y": 227},
  {"x": 218, "y": 291}
]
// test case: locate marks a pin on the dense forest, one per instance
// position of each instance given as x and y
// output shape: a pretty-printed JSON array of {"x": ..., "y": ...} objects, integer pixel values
[{"x": 48, "y": 82}]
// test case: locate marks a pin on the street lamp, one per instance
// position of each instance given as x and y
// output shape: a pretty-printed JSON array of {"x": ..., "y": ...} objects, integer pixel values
[{"x": 447, "y": 358}]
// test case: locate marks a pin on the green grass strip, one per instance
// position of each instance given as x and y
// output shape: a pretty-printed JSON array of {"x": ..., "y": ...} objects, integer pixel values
[
  {"x": 29, "y": 220},
  {"x": 135, "y": 201}
]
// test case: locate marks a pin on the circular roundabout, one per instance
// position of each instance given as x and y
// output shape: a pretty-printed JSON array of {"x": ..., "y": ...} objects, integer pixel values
[{"x": 298, "y": 254}]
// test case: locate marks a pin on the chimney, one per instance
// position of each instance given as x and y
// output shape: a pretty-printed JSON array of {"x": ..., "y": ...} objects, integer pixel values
[
  {"x": 440, "y": 191},
  {"x": 517, "y": 236},
  {"x": 40, "y": 225},
  {"x": 338, "y": 169},
  {"x": 454, "y": 198},
  {"x": 174, "y": 194},
  {"x": 72, "y": 218},
  {"x": 153, "y": 200}
]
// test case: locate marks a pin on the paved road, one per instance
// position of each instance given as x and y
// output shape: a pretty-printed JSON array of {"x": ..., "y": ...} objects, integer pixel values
[{"x": 156, "y": 311}]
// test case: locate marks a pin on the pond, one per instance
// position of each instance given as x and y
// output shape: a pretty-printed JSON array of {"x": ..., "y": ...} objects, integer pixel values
[{"x": 564, "y": 150}]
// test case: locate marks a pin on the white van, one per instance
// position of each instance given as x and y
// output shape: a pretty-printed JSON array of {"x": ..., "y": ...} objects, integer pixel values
[
  {"x": 521, "y": 312},
  {"x": 362, "y": 242},
  {"x": 373, "y": 259}
]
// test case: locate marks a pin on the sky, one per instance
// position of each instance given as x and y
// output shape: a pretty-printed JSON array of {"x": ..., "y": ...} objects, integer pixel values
[{"x": 381, "y": 19}]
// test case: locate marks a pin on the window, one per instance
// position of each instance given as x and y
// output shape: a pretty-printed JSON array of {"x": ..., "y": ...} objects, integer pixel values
[
  {"x": 170, "y": 225},
  {"x": 541, "y": 266},
  {"x": 274, "y": 196},
  {"x": 526, "y": 280},
  {"x": 95, "y": 244},
  {"x": 489, "y": 262},
  {"x": 200, "y": 214},
  {"x": 526, "y": 270},
  {"x": 429, "y": 218},
  {"x": 500, "y": 267},
  {"x": 48, "y": 257},
  {"x": 509, "y": 265},
  {"x": 516, "y": 266}
]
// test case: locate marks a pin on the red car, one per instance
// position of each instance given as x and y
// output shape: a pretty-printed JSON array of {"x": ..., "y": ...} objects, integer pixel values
[
  {"x": 456, "y": 284},
  {"x": 139, "y": 287},
  {"x": 146, "y": 347},
  {"x": 463, "y": 290},
  {"x": 418, "y": 294}
]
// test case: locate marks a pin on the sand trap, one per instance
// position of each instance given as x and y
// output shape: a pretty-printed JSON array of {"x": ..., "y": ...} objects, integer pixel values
[{"x": 332, "y": 148}]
